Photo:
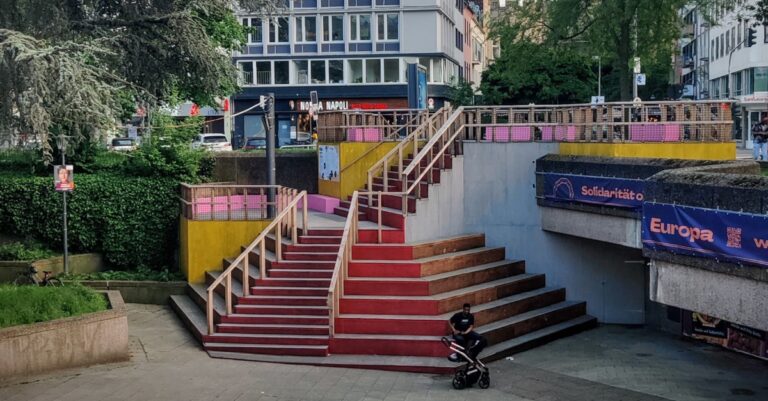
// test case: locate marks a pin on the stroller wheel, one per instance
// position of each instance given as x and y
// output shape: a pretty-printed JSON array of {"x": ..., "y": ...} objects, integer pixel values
[
  {"x": 459, "y": 383},
  {"x": 485, "y": 380}
]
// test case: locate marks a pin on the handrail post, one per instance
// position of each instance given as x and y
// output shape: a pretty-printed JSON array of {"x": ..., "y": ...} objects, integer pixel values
[
  {"x": 305, "y": 217},
  {"x": 228, "y": 293},
  {"x": 379, "y": 228},
  {"x": 263, "y": 259},
  {"x": 246, "y": 275},
  {"x": 279, "y": 243},
  {"x": 209, "y": 308}
]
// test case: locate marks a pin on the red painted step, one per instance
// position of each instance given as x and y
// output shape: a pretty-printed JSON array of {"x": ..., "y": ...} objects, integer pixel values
[
  {"x": 390, "y": 201},
  {"x": 307, "y": 248},
  {"x": 290, "y": 291},
  {"x": 294, "y": 282},
  {"x": 281, "y": 310},
  {"x": 298, "y": 273},
  {"x": 319, "y": 239},
  {"x": 331, "y": 232},
  {"x": 298, "y": 350},
  {"x": 310, "y": 256},
  {"x": 343, "y": 212},
  {"x": 388, "y": 345},
  {"x": 275, "y": 319},
  {"x": 391, "y": 324},
  {"x": 283, "y": 300},
  {"x": 289, "y": 329},
  {"x": 388, "y": 236},
  {"x": 300, "y": 265},
  {"x": 274, "y": 339}
]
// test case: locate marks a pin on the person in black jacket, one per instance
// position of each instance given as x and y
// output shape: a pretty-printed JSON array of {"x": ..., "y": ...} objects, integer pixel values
[{"x": 463, "y": 325}]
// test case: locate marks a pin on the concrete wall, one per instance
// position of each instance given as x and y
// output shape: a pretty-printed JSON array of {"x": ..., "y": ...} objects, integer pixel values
[
  {"x": 81, "y": 263},
  {"x": 736, "y": 299},
  {"x": 204, "y": 244},
  {"x": 65, "y": 343},
  {"x": 617, "y": 230},
  {"x": 442, "y": 214},
  {"x": 500, "y": 200}
]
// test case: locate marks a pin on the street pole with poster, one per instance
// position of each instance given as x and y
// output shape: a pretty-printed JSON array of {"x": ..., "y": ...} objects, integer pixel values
[
  {"x": 63, "y": 178},
  {"x": 313, "y": 102}
]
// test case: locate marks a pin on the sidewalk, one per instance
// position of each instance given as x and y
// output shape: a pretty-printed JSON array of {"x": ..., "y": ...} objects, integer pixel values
[{"x": 609, "y": 363}]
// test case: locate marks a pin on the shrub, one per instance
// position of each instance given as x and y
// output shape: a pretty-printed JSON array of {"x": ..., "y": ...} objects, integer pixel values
[
  {"x": 31, "y": 304},
  {"x": 141, "y": 274},
  {"x": 131, "y": 221},
  {"x": 24, "y": 251}
]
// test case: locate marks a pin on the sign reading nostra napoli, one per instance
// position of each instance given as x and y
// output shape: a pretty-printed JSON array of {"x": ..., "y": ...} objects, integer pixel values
[
  {"x": 618, "y": 192},
  {"x": 717, "y": 234}
]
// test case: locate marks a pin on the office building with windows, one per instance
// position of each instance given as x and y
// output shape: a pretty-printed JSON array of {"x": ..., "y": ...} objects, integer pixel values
[
  {"x": 354, "y": 53},
  {"x": 735, "y": 71}
]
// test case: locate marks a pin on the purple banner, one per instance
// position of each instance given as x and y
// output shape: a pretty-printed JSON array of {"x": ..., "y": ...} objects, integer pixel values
[
  {"x": 716, "y": 234},
  {"x": 617, "y": 192}
]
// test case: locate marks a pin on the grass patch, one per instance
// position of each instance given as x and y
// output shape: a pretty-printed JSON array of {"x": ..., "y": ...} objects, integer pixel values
[
  {"x": 140, "y": 274},
  {"x": 28, "y": 250},
  {"x": 30, "y": 304}
]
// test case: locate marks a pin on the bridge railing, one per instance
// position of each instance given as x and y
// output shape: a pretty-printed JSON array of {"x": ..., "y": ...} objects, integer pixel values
[
  {"x": 701, "y": 121},
  {"x": 232, "y": 202}
]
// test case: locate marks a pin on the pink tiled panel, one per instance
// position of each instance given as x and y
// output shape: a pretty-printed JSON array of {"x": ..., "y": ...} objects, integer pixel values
[
  {"x": 558, "y": 133},
  {"x": 238, "y": 202},
  {"x": 508, "y": 134},
  {"x": 364, "y": 134},
  {"x": 321, "y": 203},
  {"x": 654, "y": 133}
]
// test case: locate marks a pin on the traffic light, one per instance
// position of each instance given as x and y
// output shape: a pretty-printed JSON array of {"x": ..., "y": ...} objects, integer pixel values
[{"x": 751, "y": 37}]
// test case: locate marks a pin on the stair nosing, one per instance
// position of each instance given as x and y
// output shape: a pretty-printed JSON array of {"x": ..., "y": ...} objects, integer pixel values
[
  {"x": 432, "y": 258},
  {"x": 449, "y": 294}
]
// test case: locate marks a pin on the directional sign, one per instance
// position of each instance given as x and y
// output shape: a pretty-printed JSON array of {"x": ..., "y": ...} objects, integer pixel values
[
  {"x": 640, "y": 79},
  {"x": 598, "y": 99}
]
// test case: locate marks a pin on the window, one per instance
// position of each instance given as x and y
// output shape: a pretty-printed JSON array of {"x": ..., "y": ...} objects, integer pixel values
[
  {"x": 356, "y": 71},
  {"x": 727, "y": 42},
  {"x": 246, "y": 72},
  {"x": 278, "y": 30},
  {"x": 711, "y": 50},
  {"x": 318, "y": 71},
  {"x": 336, "y": 71},
  {"x": 263, "y": 73},
  {"x": 333, "y": 28},
  {"x": 300, "y": 72},
  {"x": 459, "y": 40},
  {"x": 387, "y": 25},
  {"x": 373, "y": 70},
  {"x": 722, "y": 44},
  {"x": 391, "y": 70},
  {"x": 306, "y": 29},
  {"x": 255, "y": 34},
  {"x": 282, "y": 73},
  {"x": 437, "y": 70},
  {"x": 738, "y": 41},
  {"x": 765, "y": 33},
  {"x": 733, "y": 38},
  {"x": 360, "y": 27}
]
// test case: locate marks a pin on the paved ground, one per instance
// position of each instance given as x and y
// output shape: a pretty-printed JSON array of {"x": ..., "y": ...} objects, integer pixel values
[{"x": 609, "y": 363}]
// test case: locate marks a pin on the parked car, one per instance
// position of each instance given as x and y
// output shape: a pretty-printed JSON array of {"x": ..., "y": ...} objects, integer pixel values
[
  {"x": 123, "y": 144},
  {"x": 255, "y": 143},
  {"x": 213, "y": 142}
]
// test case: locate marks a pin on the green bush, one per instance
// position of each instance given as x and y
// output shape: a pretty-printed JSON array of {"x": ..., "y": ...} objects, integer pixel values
[
  {"x": 24, "y": 251},
  {"x": 31, "y": 304},
  {"x": 140, "y": 274},
  {"x": 131, "y": 221}
]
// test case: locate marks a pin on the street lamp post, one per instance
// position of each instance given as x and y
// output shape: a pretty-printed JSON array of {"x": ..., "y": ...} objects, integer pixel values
[
  {"x": 599, "y": 75},
  {"x": 61, "y": 142}
]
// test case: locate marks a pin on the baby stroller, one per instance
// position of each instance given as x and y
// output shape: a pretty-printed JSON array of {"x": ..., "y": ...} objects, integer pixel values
[{"x": 474, "y": 370}]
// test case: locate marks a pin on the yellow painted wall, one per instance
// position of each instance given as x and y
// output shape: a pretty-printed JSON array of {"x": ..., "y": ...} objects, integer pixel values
[
  {"x": 354, "y": 172},
  {"x": 686, "y": 150},
  {"x": 204, "y": 244}
]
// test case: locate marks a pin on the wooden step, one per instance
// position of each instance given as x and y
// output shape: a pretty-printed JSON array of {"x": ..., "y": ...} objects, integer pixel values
[
  {"x": 425, "y": 266},
  {"x": 417, "y": 250}
]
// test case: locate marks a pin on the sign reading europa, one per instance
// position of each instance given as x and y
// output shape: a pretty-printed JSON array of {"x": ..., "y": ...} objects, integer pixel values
[
  {"x": 716, "y": 234},
  {"x": 618, "y": 192}
]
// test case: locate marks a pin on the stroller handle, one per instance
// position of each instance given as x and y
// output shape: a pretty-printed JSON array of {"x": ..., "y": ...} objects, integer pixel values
[{"x": 446, "y": 341}]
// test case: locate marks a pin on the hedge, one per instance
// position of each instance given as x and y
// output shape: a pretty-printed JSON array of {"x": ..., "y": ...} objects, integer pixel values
[{"x": 131, "y": 221}]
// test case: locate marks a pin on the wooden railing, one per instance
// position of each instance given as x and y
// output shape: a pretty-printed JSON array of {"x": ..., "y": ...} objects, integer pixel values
[
  {"x": 285, "y": 223},
  {"x": 341, "y": 268},
  {"x": 391, "y": 124},
  {"x": 409, "y": 144},
  {"x": 231, "y": 202}
]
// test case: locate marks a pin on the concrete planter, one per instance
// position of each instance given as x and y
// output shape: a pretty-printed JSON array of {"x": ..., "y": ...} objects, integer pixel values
[
  {"x": 140, "y": 292},
  {"x": 98, "y": 337}
]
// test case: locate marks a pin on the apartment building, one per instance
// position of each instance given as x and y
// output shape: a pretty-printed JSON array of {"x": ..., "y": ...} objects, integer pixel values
[{"x": 354, "y": 53}]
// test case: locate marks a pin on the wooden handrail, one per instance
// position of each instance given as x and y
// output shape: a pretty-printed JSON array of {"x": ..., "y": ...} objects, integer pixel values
[
  {"x": 288, "y": 211},
  {"x": 341, "y": 267}
]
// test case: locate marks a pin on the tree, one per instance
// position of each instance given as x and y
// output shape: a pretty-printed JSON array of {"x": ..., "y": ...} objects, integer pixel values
[
  {"x": 527, "y": 72},
  {"x": 461, "y": 92},
  {"x": 616, "y": 30},
  {"x": 65, "y": 66}
]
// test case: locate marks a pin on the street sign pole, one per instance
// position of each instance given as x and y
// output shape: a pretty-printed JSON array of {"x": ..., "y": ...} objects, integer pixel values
[{"x": 271, "y": 156}]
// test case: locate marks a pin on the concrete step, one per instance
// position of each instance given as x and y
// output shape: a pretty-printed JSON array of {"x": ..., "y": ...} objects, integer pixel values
[
  {"x": 191, "y": 315},
  {"x": 290, "y": 291},
  {"x": 238, "y": 318},
  {"x": 272, "y": 339},
  {"x": 277, "y": 329},
  {"x": 418, "y": 250},
  {"x": 300, "y": 350},
  {"x": 303, "y": 282},
  {"x": 305, "y": 310},
  {"x": 308, "y": 256},
  {"x": 283, "y": 300},
  {"x": 301, "y": 273},
  {"x": 320, "y": 239},
  {"x": 425, "y": 266}
]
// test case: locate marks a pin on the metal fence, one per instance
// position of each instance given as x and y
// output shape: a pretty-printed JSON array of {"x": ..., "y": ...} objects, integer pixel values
[{"x": 214, "y": 202}]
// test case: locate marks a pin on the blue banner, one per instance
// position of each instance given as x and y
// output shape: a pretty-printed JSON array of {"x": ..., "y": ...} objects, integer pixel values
[
  {"x": 716, "y": 234},
  {"x": 607, "y": 191}
]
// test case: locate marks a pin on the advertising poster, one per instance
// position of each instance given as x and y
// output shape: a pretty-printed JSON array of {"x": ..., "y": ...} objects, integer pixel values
[
  {"x": 617, "y": 192},
  {"x": 725, "y": 334},
  {"x": 63, "y": 178},
  {"x": 740, "y": 238},
  {"x": 328, "y": 162}
]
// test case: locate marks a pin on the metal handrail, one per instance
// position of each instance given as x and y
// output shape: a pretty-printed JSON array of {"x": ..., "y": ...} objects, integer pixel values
[
  {"x": 191, "y": 195},
  {"x": 341, "y": 267},
  {"x": 289, "y": 212}
]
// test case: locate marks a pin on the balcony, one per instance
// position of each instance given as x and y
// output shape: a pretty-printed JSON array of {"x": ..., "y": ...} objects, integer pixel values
[{"x": 688, "y": 30}]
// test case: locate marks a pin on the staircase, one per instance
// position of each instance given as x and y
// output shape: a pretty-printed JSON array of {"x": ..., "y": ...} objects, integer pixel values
[{"x": 396, "y": 297}]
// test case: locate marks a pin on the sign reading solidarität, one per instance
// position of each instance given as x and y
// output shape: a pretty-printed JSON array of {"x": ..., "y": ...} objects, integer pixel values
[
  {"x": 619, "y": 192},
  {"x": 716, "y": 234}
]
